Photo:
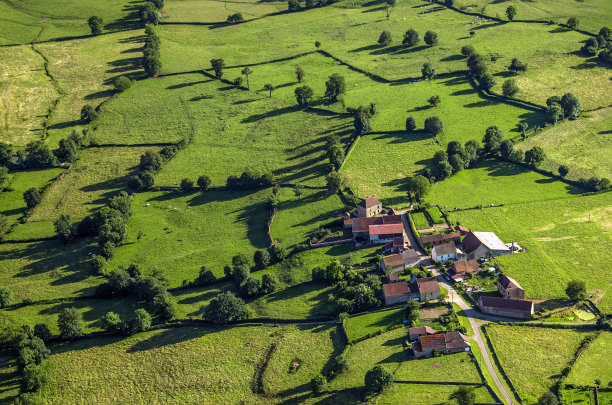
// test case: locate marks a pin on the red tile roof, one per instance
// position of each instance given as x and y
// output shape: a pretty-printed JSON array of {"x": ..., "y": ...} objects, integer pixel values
[
  {"x": 508, "y": 282},
  {"x": 386, "y": 229},
  {"x": 408, "y": 256},
  {"x": 442, "y": 341},
  {"x": 421, "y": 330},
  {"x": 451, "y": 236},
  {"x": 436, "y": 237},
  {"x": 428, "y": 285},
  {"x": 461, "y": 266},
  {"x": 369, "y": 202},
  {"x": 396, "y": 289}
]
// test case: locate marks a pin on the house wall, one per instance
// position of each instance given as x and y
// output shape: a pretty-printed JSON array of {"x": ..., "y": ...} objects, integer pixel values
[
  {"x": 430, "y": 296},
  {"x": 516, "y": 293},
  {"x": 384, "y": 238},
  {"x": 445, "y": 258},
  {"x": 369, "y": 212},
  {"x": 507, "y": 312},
  {"x": 482, "y": 251},
  {"x": 397, "y": 299}
]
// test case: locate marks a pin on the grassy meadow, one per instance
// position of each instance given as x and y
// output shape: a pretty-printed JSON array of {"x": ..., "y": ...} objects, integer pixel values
[
  {"x": 212, "y": 11},
  {"x": 592, "y": 364},
  {"x": 427, "y": 394},
  {"x": 534, "y": 367},
  {"x": 362, "y": 325},
  {"x": 558, "y": 236}
]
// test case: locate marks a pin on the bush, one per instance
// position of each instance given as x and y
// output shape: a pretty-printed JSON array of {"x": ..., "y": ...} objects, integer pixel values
[
  {"x": 318, "y": 383},
  {"x": 411, "y": 38},
  {"x": 205, "y": 278},
  {"x": 111, "y": 323},
  {"x": 142, "y": 320},
  {"x": 235, "y": 18},
  {"x": 251, "y": 287},
  {"x": 431, "y": 38},
  {"x": 186, "y": 185},
  {"x": 377, "y": 379},
  {"x": 6, "y": 297},
  {"x": 33, "y": 378},
  {"x": 467, "y": 50},
  {"x": 95, "y": 25},
  {"x": 427, "y": 71},
  {"x": 385, "y": 38},
  {"x": 410, "y": 124},
  {"x": 204, "y": 182},
  {"x": 269, "y": 284},
  {"x": 509, "y": 88},
  {"x": 434, "y": 125},
  {"x": 573, "y": 23},
  {"x": 122, "y": 83},
  {"x": 487, "y": 81},
  {"x": 69, "y": 323},
  {"x": 225, "y": 308},
  {"x": 32, "y": 197},
  {"x": 42, "y": 331},
  {"x": 98, "y": 263},
  {"x": 262, "y": 258},
  {"x": 88, "y": 114}
]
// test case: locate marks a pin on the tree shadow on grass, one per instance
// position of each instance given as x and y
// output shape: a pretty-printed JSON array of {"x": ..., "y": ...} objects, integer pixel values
[
  {"x": 183, "y": 85},
  {"x": 66, "y": 124},
  {"x": 129, "y": 21},
  {"x": 172, "y": 336},
  {"x": 347, "y": 396},
  {"x": 452, "y": 58},
  {"x": 99, "y": 94},
  {"x": 124, "y": 65}
]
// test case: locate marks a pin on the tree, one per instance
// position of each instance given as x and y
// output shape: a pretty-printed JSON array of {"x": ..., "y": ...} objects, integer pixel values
[
  {"x": 122, "y": 83},
  {"x": 293, "y": 5},
  {"x": 471, "y": 151},
  {"x": 142, "y": 320},
  {"x": 238, "y": 82},
  {"x": 563, "y": 170},
  {"x": 493, "y": 139},
  {"x": 69, "y": 323},
  {"x": 246, "y": 71},
  {"x": 431, "y": 38},
  {"x": 385, "y": 38},
  {"x": 517, "y": 66},
  {"x": 573, "y": 23},
  {"x": 98, "y": 263},
  {"x": 67, "y": 150},
  {"x": 218, "y": 65},
  {"x": 95, "y": 24},
  {"x": 476, "y": 64},
  {"x": 318, "y": 383},
  {"x": 487, "y": 81},
  {"x": 88, "y": 113},
  {"x": 463, "y": 396},
  {"x": 467, "y": 50},
  {"x": 317, "y": 44},
  {"x": 434, "y": 101},
  {"x": 411, "y": 38},
  {"x": 457, "y": 163},
  {"x": 509, "y": 88},
  {"x": 63, "y": 228},
  {"x": 303, "y": 95},
  {"x": 204, "y": 182},
  {"x": 511, "y": 12},
  {"x": 428, "y": 71},
  {"x": 548, "y": 398},
  {"x": 269, "y": 87},
  {"x": 606, "y": 33},
  {"x": 418, "y": 186},
  {"x": 32, "y": 197},
  {"x": 6, "y": 297},
  {"x": 251, "y": 287},
  {"x": 6, "y": 154},
  {"x": 571, "y": 105},
  {"x": 186, "y": 185},
  {"x": 111, "y": 322},
  {"x": 149, "y": 14},
  {"x": 3, "y": 176},
  {"x": 554, "y": 113},
  {"x": 33, "y": 377},
  {"x": 151, "y": 62},
  {"x": 163, "y": 306},
  {"x": 576, "y": 290},
  {"x": 449, "y": 3},
  {"x": 235, "y": 18},
  {"x": 269, "y": 283},
  {"x": 261, "y": 258},
  {"x": 225, "y": 308},
  {"x": 335, "y": 182},
  {"x": 506, "y": 148},
  {"x": 378, "y": 379},
  {"x": 299, "y": 73},
  {"x": 434, "y": 125},
  {"x": 335, "y": 86},
  {"x": 410, "y": 124},
  {"x": 535, "y": 156},
  {"x": 42, "y": 331},
  {"x": 361, "y": 122}
]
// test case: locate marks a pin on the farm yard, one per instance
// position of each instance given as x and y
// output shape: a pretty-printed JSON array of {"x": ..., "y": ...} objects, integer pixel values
[{"x": 182, "y": 184}]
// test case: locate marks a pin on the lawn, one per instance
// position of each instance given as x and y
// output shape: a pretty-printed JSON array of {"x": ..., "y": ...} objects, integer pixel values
[
  {"x": 558, "y": 236},
  {"x": 298, "y": 216},
  {"x": 592, "y": 364},
  {"x": 181, "y": 232},
  {"x": 188, "y": 364},
  {"x": 534, "y": 367},
  {"x": 436, "y": 215},
  {"x": 583, "y": 145},
  {"x": 362, "y": 325},
  {"x": 496, "y": 182},
  {"x": 99, "y": 174},
  {"x": 419, "y": 220}
]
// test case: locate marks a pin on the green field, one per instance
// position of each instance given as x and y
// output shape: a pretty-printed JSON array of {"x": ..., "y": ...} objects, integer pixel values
[
  {"x": 534, "y": 367},
  {"x": 428, "y": 394},
  {"x": 362, "y": 325},
  {"x": 217, "y": 11},
  {"x": 558, "y": 236},
  {"x": 420, "y": 220},
  {"x": 564, "y": 143},
  {"x": 591, "y": 364},
  {"x": 497, "y": 182}
]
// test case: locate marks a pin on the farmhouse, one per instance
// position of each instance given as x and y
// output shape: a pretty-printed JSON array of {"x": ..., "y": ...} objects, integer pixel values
[
  {"x": 417, "y": 289},
  {"x": 445, "y": 252},
  {"x": 382, "y": 233},
  {"x": 369, "y": 207},
  {"x": 482, "y": 244},
  {"x": 380, "y": 229},
  {"x": 510, "y": 288},
  {"x": 414, "y": 333},
  {"x": 506, "y": 307},
  {"x": 444, "y": 343},
  {"x": 461, "y": 268},
  {"x": 440, "y": 238},
  {"x": 399, "y": 262}
]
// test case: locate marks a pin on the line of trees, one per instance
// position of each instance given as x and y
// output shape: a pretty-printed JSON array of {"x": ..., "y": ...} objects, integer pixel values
[
  {"x": 150, "y": 12},
  {"x": 150, "y": 59}
]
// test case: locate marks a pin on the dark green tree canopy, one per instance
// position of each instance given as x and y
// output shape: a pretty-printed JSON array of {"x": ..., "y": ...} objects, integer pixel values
[
  {"x": 431, "y": 38},
  {"x": 411, "y": 38},
  {"x": 225, "y": 308},
  {"x": 377, "y": 379},
  {"x": 335, "y": 86}
]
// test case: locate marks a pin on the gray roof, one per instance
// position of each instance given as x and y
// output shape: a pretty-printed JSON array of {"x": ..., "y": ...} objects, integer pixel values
[
  {"x": 445, "y": 249},
  {"x": 491, "y": 241}
]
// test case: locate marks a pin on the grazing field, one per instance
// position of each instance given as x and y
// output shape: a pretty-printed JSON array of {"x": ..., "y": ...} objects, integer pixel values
[
  {"x": 534, "y": 367},
  {"x": 362, "y": 325},
  {"x": 497, "y": 182},
  {"x": 190, "y": 230},
  {"x": 27, "y": 95},
  {"x": 566, "y": 143},
  {"x": 189, "y": 364},
  {"x": 429, "y": 394},
  {"x": 298, "y": 216},
  {"x": 30, "y": 20},
  {"x": 12, "y": 204},
  {"x": 213, "y": 11},
  {"x": 456, "y": 367},
  {"x": 99, "y": 174},
  {"x": 306, "y": 300},
  {"x": 592, "y": 364},
  {"x": 48, "y": 269},
  {"x": 558, "y": 236}
]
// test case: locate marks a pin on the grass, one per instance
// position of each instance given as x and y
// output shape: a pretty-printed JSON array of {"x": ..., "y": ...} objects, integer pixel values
[
  {"x": 298, "y": 216},
  {"x": 558, "y": 237},
  {"x": 362, "y": 325},
  {"x": 217, "y": 11},
  {"x": 307, "y": 300},
  {"x": 11, "y": 199},
  {"x": 592, "y": 365},
  {"x": 223, "y": 373},
  {"x": 99, "y": 174},
  {"x": 456, "y": 367},
  {"x": 420, "y": 220},
  {"x": 533, "y": 368},
  {"x": 10, "y": 377},
  {"x": 582, "y": 145},
  {"x": 497, "y": 182},
  {"x": 464, "y": 320},
  {"x": 428, "y": 394},
  {"x": 436, "y": 215}
]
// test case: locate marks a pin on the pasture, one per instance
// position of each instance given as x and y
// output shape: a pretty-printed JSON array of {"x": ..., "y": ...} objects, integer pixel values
[
  {"x": 534, "y": 367},
  {"x": 362, "y": 325},
  {"x": 558, "y": 236},
  {"x": 592, "y": 364}
]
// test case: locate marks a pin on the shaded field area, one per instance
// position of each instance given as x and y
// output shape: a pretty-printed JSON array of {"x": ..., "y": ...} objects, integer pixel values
[
  {"x": 535, "y": 367},
  {"x": 558, "y": 236}
]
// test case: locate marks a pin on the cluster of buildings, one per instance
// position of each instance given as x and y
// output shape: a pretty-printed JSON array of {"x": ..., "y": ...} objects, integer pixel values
[
  {"x": 511, "y": 303},
  {"x": 424, "y": 340},
  {"x": 418, "y": 289},
  {"x": 474, "y": 245},
  {"x": 373, "y": 225}
]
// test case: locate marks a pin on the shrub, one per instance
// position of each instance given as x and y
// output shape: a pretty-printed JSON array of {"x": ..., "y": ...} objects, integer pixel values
[
  {"x": 204, "y": 182},
  {"x": 434, "y": 101},
  {"x": 269, "y": 284},
  {"x": 69, "y": 323},
  {"x": 236, "y": 18},
  {"x": 261, "y": 258},
  {"x": 335, "y": 86},
  {"x": 467, "y": 50},
  {"x": 303, "y": 95},
  {"x": 576, "y": 290},
  {"x": 377, "y": 379},
  {"x": 142, "y": 320},
  {"x": 33, "y": 378},
  {"x": 385, "y": 38},
  {"x": 6, "y": 297},
  {"x": 411, "y": 38},
  {"x": 186, "y": 185},
  {"x": 225, "y": 308},
  {"x": 98, "y": 263},
  {"x": 205, "y": 277},
  {"x": 487, "y": 81},
  {"x": 318, "y": 383},
  {"x": 573, "y": 23},
  {"x": 434, "y": 125},
  {"x": 32, "y": 197},
  {"x": 509, "y": 88},
  {"x": 122, "y": 83},
  {"x": 431, "y": 38},
  {"x": 251, "y": 287},
  {"x": 111, "y": 322},
  {"x": 42, "y": 331},
  {"x": 563, "y": 170},
  {"x": 511, "y": 12},
  {"x": 88, "y": 113},
  {"x": 95, "y": 25},
  {"x": 410, "y": 124}
]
